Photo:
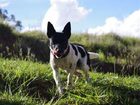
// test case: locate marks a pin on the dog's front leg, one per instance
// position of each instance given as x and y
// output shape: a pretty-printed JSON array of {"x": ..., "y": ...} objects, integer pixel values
[
  {"x": 57, "y": 80},
  {"x": 69, "y": 78}
]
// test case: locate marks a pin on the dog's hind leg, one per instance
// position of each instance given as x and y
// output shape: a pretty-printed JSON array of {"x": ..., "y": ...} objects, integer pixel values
[
  {"x": 86, "y": 72},
  {"x": 78, "y": 75}
]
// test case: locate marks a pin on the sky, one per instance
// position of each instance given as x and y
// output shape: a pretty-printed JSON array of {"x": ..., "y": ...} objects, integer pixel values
[{"x": 90, "y": 16}]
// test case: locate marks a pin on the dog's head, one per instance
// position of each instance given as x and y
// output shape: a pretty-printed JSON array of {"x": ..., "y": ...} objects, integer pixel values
[{"x": 59, "y": 40}]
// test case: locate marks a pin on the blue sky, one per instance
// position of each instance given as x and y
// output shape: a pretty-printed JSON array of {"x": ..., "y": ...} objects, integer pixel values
[{"x": 95, "y": 12}]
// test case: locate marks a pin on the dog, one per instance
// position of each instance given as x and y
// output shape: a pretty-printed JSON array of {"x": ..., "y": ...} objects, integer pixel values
[{"x": 67, "y": 56}]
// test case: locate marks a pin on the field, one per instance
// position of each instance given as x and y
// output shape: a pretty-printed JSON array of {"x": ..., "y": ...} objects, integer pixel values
[{"x": 26, "y": 77}]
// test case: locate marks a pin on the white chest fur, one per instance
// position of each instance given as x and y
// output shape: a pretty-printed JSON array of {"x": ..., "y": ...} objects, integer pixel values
[{"x": 65, "y": 63}]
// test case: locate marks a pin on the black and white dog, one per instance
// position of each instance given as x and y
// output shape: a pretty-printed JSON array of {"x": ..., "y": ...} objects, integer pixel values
[{"x": 67, "y": 56}]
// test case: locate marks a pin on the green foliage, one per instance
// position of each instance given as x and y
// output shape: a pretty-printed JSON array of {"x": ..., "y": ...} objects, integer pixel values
[
  {"x": 17, "y": 99},
  {"x": 33, "y": 45},
  {"x": 28, "y": 45},
  {"x": 5, "y": 31},
  {"x": 25, "y": 79},
  {"x": 110, "y": 44}
]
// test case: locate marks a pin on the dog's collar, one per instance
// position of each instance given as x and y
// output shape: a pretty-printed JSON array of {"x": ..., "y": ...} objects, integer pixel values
[{"x": 65, "y": 53}]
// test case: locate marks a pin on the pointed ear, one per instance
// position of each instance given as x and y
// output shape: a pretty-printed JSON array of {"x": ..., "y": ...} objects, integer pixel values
[
  {"x": 67, "y": 30},
  {"x": 50, "y": 30}
]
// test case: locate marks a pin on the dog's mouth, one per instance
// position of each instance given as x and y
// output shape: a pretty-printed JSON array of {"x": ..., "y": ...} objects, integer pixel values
[{"x": 58, "y": 54}]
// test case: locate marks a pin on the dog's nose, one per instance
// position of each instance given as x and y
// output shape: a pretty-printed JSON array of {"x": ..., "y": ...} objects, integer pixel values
[{"x": 56, "y": 50}]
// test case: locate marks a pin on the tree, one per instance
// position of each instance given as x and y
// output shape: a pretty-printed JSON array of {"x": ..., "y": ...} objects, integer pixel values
[
  {"x": 10, "y": 19},
  {"x": 3, "y": 14},
  {"x": 18, "y": 24}
]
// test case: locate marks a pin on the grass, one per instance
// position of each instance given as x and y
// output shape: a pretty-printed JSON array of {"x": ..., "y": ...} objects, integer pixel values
[
  {"x": 24, "y": 82},
  {"x": 17, "y": 99},
  {"x": 31, "y": 83}
]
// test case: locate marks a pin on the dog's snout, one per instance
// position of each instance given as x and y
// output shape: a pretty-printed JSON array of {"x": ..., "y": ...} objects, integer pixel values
[{"x": 56, "y": 50}]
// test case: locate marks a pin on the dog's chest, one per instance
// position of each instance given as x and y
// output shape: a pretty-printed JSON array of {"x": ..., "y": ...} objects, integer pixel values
[
  {"x": 67, "y": 63},
  {"x": 63, "y": 63}
]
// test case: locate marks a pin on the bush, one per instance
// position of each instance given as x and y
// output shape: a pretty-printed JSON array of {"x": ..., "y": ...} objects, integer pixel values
[
  {"x": 29, "y": 45},
  {"x": 34, "y": 45}
]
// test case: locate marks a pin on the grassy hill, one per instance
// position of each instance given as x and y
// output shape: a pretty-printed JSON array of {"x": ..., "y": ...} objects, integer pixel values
[
  {"x": 26, "y": 77},
  {"x": 117, "y": 54}
]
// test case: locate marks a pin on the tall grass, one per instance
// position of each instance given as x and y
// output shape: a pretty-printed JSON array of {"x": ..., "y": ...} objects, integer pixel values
[
  {"x": 35, "y": 44},
  {"x": 29, "y": 45}
]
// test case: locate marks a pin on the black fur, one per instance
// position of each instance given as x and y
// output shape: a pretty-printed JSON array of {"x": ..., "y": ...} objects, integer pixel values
[
  {"x": 76, "y": 52},
  {"x": 79, "y": 64},
  {"x": 50, "y": 30},
  {"x": 82, "y": 52},
  {"x": 88, "y": 60},
  {"x": 67, "y": 30}
]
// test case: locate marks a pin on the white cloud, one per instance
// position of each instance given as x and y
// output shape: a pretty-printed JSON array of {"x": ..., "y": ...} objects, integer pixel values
[
  {"x": 4, "y": 4},
  {"x": 62, "y": 11},
  {"x": 128, "y": 26},
  {"x": 25, "y": 29}
]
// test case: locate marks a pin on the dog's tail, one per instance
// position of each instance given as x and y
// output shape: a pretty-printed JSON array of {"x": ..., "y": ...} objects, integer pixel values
[{"x": 93, "y": 55}]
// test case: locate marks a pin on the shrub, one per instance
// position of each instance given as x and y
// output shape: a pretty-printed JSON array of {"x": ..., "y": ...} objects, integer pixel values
[{"x": 29, "y": 45}]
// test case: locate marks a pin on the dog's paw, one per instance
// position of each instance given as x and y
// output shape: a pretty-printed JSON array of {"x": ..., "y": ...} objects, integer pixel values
[{"x": 60, "y": 91}]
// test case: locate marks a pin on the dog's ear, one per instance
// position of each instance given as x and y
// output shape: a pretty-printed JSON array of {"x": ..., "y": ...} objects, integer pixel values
[
  {"x": 50, "y": 30},
  {"x": 67, "y": 30}
]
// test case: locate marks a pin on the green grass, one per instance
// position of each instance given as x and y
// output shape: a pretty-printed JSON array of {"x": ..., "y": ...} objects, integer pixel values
[
  {"x": 28, "y": 83},
  {"x": 25, "y": 82}
]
